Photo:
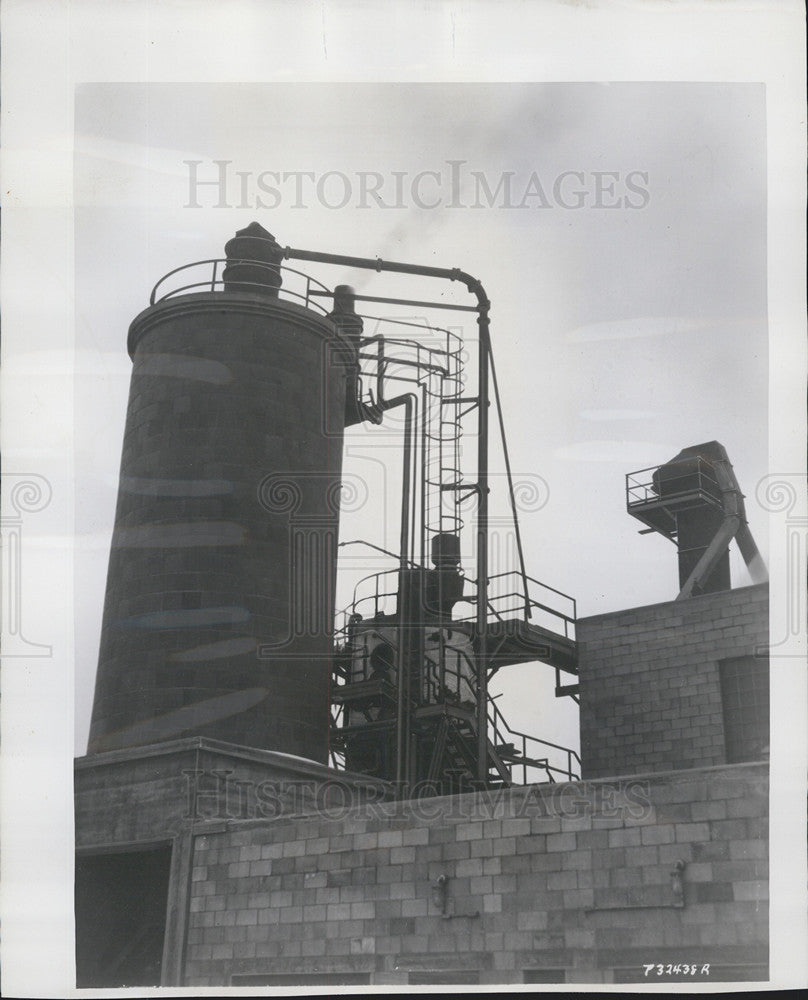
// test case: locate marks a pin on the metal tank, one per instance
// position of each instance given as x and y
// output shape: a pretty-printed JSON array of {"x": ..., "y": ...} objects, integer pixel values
[{"x": 218, "y": 612}]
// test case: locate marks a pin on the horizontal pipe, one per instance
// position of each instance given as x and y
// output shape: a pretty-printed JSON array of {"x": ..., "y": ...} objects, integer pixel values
[
  {"x": 406, "y": 302},
  {"x": 450, "y": 274}
]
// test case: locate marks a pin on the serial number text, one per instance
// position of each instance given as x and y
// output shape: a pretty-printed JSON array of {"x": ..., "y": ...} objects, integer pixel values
[{"x": 685, "y": 969}]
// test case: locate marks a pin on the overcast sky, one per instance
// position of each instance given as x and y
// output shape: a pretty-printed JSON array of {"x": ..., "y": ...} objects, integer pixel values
[{"x": 619, "y": 231}]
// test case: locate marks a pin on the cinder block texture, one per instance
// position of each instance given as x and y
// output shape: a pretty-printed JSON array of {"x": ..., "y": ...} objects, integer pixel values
[
  {"x": 145, "y": 794},
  {"x": 650, "y": 689},
  {"x": 586, "y": 901},
  {"x": 210, "y": 628}
]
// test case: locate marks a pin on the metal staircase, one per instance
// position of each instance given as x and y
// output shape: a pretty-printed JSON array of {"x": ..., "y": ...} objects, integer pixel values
[
  {"x": 406, "y": 669},
  {"x": 441, "y": 708}
]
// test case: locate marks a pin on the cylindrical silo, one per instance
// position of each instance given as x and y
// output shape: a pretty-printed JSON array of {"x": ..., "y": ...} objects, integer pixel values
[{"x": 217, "y": 619}]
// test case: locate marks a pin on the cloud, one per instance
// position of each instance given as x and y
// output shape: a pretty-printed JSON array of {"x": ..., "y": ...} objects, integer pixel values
[
  {"x": 631, "y": 454},
  {"x": 638, "y": 326},
  {"x": 618, "y": 415},
  {"x": 155, "y": 159}
]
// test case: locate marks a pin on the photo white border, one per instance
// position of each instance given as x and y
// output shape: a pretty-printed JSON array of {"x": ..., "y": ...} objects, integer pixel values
[{"x": 50, "y": 46}]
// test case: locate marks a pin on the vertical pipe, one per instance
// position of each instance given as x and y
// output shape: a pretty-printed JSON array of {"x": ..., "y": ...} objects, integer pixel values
[
  {"x": 404, "y": 611},
  {"x": 408, "y": 401},
  {"x": 482, "y": 550},
  {"x": 401, "y": 742}
]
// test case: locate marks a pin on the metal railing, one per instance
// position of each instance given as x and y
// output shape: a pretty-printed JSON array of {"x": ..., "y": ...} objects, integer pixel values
[
  {"x": 504, "y": 733},
  {"x": 500, "y": 732},
  {"x": 434, "y": 366},
  {"x": 504, "y": 605},
  {"x": 452, "y": 678},
  {"x": 381, "y": 598},
  {"x": 671, "y": 480},
  {"x": 208, "y": 274},
  {"x": 508, "y": 601}
]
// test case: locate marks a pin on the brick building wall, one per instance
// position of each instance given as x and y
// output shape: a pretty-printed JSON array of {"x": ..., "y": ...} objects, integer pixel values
[
  {"x": 231, "y": 458},
  {"x": 280, "y": 871},
  {"x": 144, "y": 794},
  {"x": 650, "y": 680},
  {"x": 545, "y": 883},
  {"x": 134, "y": 805}
]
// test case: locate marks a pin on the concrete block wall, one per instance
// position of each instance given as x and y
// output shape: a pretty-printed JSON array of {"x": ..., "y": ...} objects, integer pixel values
[
  {"x": 544, "y": 883},
  {"x": 155, "y": 793},
  {"x": 154, "y": 796},
  {"x": 199, "y": 633},
  {"x": 649, "y": 680}
]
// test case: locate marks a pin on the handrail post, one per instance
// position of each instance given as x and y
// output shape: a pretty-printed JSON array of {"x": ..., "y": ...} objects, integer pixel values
[
  {"x": 441, "y": 664},
  {"x": 524, "y": 759}
]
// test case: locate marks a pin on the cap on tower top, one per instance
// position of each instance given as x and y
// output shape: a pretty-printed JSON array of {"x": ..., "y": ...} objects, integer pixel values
[{"x": 254, "y": 257}]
